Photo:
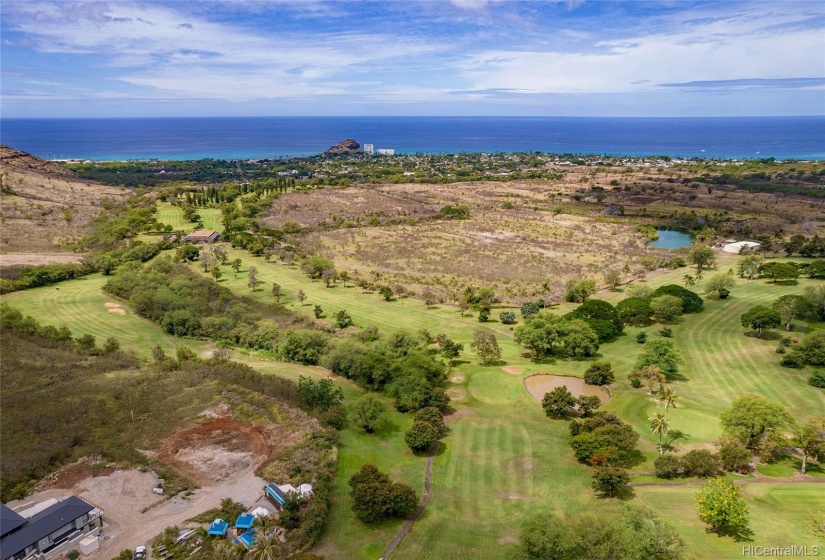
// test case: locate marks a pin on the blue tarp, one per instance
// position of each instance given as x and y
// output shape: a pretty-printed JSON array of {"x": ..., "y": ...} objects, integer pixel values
[
  {"x": 245, "y": 521},
  {"x": 218, "y": 528},
  {"x": 247, "y": 539}
]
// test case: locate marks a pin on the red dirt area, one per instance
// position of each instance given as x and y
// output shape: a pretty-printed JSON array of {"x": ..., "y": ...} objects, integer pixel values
[
  {"x": 67, "y": 477},
  {"x": 218, "y": 448}
]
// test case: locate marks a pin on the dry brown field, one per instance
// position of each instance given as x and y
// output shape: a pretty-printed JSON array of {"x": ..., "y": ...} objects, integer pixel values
[{"x": 42, "y": 211}]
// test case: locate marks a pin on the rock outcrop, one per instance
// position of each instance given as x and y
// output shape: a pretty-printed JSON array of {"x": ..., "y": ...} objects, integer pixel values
[
  {"x": 348, "y": 145},
  {"x": 9, "y": 157}
]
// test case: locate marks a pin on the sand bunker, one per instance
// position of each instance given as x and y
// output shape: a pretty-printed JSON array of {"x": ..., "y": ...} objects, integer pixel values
[
  {"x": 539, "y": 385},
  {"x": 457, "y": 379},
  {"x": 115, "y": 308},
  {"x": 512, "y": 370}
]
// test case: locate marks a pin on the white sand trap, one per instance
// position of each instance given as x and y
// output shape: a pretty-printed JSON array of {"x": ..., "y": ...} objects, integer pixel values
[{"x": 115, "y": 308}]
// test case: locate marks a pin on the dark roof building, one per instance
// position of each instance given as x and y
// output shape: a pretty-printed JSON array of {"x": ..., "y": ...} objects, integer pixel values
[
  {"x": 203, "y": 236},
  {"x": 20, "y": 537}
]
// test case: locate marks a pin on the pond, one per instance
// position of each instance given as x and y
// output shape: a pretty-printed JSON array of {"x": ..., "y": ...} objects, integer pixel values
[
  {"x": 539, "y": 385},
  {"x": 670, "y": 239}
]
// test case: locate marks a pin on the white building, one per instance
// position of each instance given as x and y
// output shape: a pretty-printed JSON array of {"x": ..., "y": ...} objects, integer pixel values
[
  {"x": 737, "y": 247},
  {"x": 369, "y": 149},
  {"x": 386, "y": 152}
]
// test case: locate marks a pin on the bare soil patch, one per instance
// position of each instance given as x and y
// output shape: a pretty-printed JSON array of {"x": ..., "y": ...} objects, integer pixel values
[
  {"x": 114, "y": 308},
  {"x": 216, "y": 449},
  {"x": 457, "y": 379},
  {"x": 512, "y": 370},
  {"x": 539, "y": 385},
  {"x": 72, "y": 474},
  {"x": 519, "y": 465},
  {"x": 456, "y": 394}
]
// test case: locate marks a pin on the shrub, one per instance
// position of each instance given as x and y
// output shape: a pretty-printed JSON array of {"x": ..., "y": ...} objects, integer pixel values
[
  {"x": 700, "y": 462},
  {"x": 635, "y": 311},
  {"x": 812, "y": 349},
  {"x": 641, "y": 338},
  {"x": 508, "y": 318},
  {"x": 668, "y": 466},
  {"x": 577, "y": 291},
  {"x": 530, "y": 308},
  {"x": 342, "y": 319},
  {"x": 792, "y": 360},
  {"x": 817, "y": 379},
  {"x": 430, "y": 415},
  {"x": 666, "y": 332},
  {"x": 600, "y": 373},
  {"x": 635, "y": 378},
  {"x": 691, "y": 301},
  {"x": 733, "y": 456}
]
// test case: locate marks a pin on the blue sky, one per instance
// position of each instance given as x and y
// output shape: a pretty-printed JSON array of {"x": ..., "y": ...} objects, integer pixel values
[{"x": 72, "y": 58}]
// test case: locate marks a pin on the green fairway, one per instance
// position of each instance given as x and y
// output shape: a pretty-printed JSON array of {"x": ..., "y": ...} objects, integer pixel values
[
  {"x": 777, "y": 515},
  {"x": 173, "y": 215}
]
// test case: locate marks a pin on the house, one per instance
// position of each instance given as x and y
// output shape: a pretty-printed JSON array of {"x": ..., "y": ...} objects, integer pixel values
[
  {"x": 67, "y": 519},
  {"x": 202, "y": 236},
  {"x": 218, "y": 528},
  {"x": 277, "y": 493},
  {"x": 274, "y": 494}
]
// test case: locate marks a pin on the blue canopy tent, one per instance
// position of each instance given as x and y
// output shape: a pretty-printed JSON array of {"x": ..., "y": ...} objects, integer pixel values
[
  {"x": 218, "y": 528},
  {"x": 247, "y": 539},
  {"x": 244, "y": 521}
]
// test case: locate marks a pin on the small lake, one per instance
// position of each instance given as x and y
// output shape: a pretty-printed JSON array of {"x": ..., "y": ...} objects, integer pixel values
[
  {"x": 670, "y": 239},
  {"x": 539, "y": 385}
]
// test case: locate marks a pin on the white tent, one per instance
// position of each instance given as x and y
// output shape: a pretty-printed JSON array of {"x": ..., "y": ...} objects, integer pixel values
[
  {"x": 737, "y": 247},
  {"x": 260, "y": 512}
]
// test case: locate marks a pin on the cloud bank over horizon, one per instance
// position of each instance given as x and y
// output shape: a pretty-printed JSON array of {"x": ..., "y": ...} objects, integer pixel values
[{"x": 461, "y": 57}]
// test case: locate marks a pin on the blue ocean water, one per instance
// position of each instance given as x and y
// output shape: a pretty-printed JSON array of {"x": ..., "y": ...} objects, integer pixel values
[{"x": 262, "y": 137}]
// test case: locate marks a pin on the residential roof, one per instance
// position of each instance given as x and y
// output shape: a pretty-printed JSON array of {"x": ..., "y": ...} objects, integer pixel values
[
  {"x": 218, "y": 527},
  {"x": 275, "y": 492},
  {"x": 201, "y": 234},
  {"x": 9, "y": 519},
  {"x": 245, "y": 521},
  {"x": 41, "y": 525}
]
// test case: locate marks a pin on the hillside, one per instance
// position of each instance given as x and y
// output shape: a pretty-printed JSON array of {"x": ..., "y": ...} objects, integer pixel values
[{"x": 44, "y": 208}]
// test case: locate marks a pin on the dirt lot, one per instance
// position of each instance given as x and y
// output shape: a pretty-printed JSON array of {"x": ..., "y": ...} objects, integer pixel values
[
  {"x": 221, "y": 454},
  {"x": 31, "y": 259}
]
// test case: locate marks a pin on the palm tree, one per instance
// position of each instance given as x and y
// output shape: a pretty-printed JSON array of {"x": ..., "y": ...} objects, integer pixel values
[
  {"x": 659, "y": 424},
  {"x": 689, "y": 280},
  {"x": 267, "y": 547},
  {"x": 225, "y": 550},
  {"x": 699, "y": 275},
  {"x": 668, "y": 398}
]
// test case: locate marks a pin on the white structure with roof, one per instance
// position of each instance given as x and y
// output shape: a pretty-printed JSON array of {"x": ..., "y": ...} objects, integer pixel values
[{"x": 737, "y": 246}]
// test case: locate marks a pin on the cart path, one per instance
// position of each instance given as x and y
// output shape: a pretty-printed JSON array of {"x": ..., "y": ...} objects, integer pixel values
[{"x": 407, "y": 527}]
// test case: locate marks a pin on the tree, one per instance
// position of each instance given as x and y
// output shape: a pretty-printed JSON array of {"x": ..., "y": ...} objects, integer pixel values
[
  {"x": 666, "y": 308},
  {"x": 372, "y": 502},
  {"x": 450, "y": 350},
  {"x": 667, "y": 466},
  {"x": 368, "y": 413},
  {"x": 612, "y": 278},
  {"x": 483, "y": 312},
  {"x": 529, "y": 308},
  {"x": 318, "y": 312},
  {"x": 720, "y": 285},
  {"x": 276, "y": 292},
  {"x": 610, "y": 480},
  {"x": 301, "y": 297},
  {"x": 421, "y": 436},
  {"x": 463, "y": 307},
  {"x": 661, "y": 353},
  {"x": 733, "y": 456},
  {"x": 702, "y": 256},
  {"x": 810, "y": 439},
  {"x": 817, "y": 269},
  {"x": 507, "y": 318},
  {"x": 691, "y": 301},
  {"x": 600, "y": 373},
  {"x": 701, "y": 463},
  {"x": 789, "y": 307},
  {"x": 315, "y": 266},
  {"x": 110, "y": 345},
  {"x": 486, "y": 346},
  {"x": 385, "y": 292},
  {"x": 780, "y": 271},
  {"x": 430, "y": 298},
  {"x": 667, "y": 398},
  {"x": 187, "y": 253},
  {"x": 750, "y": 416},
  {"x": 368, "y": 474},
  {"x": 328, "y": 276},
  {"x": 816, "y": 299},
  {"x": 689, "y": 280},
  {"x": 322, "y": 394},
  {"x": 659, "y": 424},
  {"x": 588, "y": 404},
  {"x": 721, "y": 506},
  {"x": 558, "y": 403},
  {"x": 759, "y": 318},
  {"x": 430, "y": 415},
  {"x": 812, "y": 349},
  {"x": 236, "y": 266},
  {"x": 578, "y": 291},
  {"x": 216, "y": 273},
  {"x": 252, "y": 277},
  {"x": 342, "y": 319},
  {"x": 596, "y": 310},
  {"x": 634, "y": 311},
  {"x": 749, "y": 265}
]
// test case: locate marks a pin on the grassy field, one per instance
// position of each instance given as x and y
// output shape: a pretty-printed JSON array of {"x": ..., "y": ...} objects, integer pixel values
[
  {"x": 502, "y": 459},
  {"x": 173, "y": 215}
]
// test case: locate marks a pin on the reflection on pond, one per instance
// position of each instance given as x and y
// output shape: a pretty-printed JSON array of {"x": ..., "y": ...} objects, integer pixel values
[{"x": 539, "y": 385}]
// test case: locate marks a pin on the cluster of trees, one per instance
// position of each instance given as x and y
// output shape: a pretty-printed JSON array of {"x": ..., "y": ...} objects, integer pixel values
[
  {"x": 635, "y": 533},
  {"x": 545, "y": 334},
  {"x": 754, "y": 266},
  {"x": 560, "y": 403},
  {"x": 376, "y": 497},
  {"x": 665, "y": 304},
  {"x": 426, "y": 429},
  {"x": 400, "y": 365},
  {"x": 805, "y": 246},
  {"x": 606, "y": 443}
]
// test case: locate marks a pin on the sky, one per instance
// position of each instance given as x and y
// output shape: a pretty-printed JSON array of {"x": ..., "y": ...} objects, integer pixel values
[{"x": 72, "y": 58}]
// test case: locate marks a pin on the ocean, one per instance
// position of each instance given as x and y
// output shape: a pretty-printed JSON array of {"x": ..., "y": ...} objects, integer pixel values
[{"x": 268, "y": 137}]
